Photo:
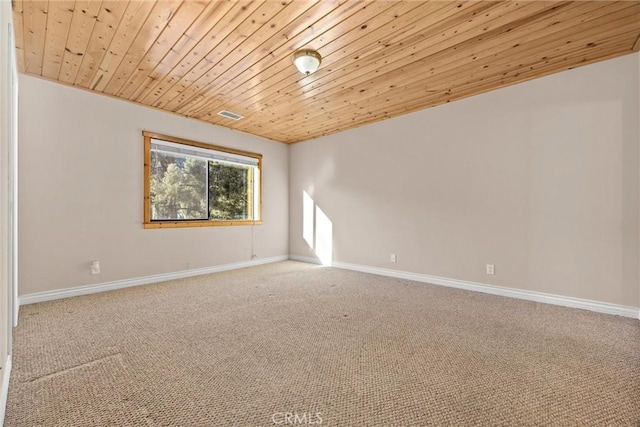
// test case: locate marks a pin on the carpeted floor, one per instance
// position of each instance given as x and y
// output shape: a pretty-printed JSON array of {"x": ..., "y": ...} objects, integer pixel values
[{"x": 296, "y": 344}]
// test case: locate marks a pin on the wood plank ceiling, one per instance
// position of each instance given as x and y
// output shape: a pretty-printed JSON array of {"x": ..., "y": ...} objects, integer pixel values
[{"x": 380, "y": 58}]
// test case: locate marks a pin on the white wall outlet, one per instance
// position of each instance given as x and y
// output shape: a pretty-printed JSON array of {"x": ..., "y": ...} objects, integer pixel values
[
  {"x": 95, "y": 267},
  {"x": 490, "y": 269},
  {"x": 394, "y": 258}
]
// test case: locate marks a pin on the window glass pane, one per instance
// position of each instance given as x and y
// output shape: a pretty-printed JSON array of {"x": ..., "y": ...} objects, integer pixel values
[
  {"x": 191, "y": 184},
  {"x": 230, "y": 191},
  {"x": 178, "y": 187}
]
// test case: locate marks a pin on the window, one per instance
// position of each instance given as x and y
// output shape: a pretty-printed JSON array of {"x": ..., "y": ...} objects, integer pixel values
[{"x": 190, "y": 184}]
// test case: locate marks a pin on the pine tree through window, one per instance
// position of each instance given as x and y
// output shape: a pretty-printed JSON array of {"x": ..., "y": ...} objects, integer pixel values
[{"x": 190, "y": 184}]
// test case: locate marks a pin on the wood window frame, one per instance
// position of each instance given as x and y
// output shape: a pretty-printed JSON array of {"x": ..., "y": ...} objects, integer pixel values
[{"x": 148, "y": 223}]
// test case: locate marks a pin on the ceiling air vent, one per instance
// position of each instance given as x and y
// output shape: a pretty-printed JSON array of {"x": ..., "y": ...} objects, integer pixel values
[{"x": 230, "y": 115}]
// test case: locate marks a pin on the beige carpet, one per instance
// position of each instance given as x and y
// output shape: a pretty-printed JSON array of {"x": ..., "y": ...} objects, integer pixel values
[{"x": 291, "y": 343}]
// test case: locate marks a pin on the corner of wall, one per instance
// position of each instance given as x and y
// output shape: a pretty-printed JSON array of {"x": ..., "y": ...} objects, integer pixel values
[{"x": 638, "y": 99}]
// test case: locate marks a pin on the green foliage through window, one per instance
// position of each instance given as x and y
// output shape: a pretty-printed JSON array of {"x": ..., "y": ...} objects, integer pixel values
[
  {"x": 200, "y": 187},
  {"x": 228, "y": 191},
  {"x": 178, "y": 187}
]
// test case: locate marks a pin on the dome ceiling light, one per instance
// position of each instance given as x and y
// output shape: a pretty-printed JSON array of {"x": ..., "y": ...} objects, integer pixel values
[{"x": 307, "y": 61}]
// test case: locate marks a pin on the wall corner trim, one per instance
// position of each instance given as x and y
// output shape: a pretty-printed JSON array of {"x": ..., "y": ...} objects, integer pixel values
[
  {"x": 584, "y": 304},
  {"x": 126, "y": 283},
  {"x": 4, "y": 391}
]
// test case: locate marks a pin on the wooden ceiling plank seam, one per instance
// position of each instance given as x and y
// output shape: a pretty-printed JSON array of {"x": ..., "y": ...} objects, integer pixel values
[
  {"x": 287, "y": 75},
  {"x": 288, "y": 39},
  {"x": 263, "y": 51},
  {"x": 348, "y": 12},
  {"x": 28, "y": 35},
  {"x": 162, "y": 13},
  {"x": 403, "y": 46},
  {"x": 180, "y": 22},
  {"x": 179, "y": 82},
  {"x": 486, "y": 56},
  {"x": 74, "y": 46},
  {"x": 85, "y": 14},
  {"x": 344, "y": 56},
  {"x": 381, "y": 68},
  {"x": 18, "y": 33},
  {"x": 563, "y": 65},
  {"x": 164, "y": 86},
  {"x": 568, "y": 52},
  {"x": 35, "y": 28},
  {"x": 576, "y": 54},
  {"x": 519, "y": 36},
  {"x": 129, "y": 27},
  {"x": 278, "y": 61},
  {"x": 238, "y": 57},
  {"x": 194, "y": 35},
  {"x": 58, "y": 27},
  {"x": 445, "y": 54},
  {"x": 277, "y": 89},
  {"x": 414, "y": 91},
  {"x": 160, "y": 10},
  {"x": 260, "y": 29},
  {"x": 427, "y": 52},
  {"x": 290, "y": 137},
  {"x": 109, "y": 16},
  {"x": 202, "y": 104},
  {"x": 582, "y": 39},
  {"x": 191, "y": 83},
  {"x": 521, "y": 64},
  {"x": 349, "y": 125},
  {"x": 237, "y": 44},
  {"x": 457, "y": 23},
  {"x": 571, "y": 56},
  {"x": 425, "y": 48},
  {"x": 303, "y": 38},
  {"x": 489, "y": 86}
]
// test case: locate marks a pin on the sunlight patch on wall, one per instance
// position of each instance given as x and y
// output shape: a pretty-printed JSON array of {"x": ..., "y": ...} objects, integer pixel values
[
  {"x": 324, "y": 237},
  {"x": 307, "y": 219},
  {"x": 317, "y": 230}
]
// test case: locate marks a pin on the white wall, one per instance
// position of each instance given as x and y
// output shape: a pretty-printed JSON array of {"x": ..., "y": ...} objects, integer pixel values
[
  {"x": 81, "y": 192},
  {"x": 7, "y": 179},
  {"x": 540, "y": 179},
  {"x": 5, "y": 89}
]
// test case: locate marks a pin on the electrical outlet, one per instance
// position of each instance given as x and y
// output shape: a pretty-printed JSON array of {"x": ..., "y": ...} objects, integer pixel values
[
  {"x": 95, "y": 267},
  {"x": 394, "y": 258},
  {"x": 490, "y": 269}
]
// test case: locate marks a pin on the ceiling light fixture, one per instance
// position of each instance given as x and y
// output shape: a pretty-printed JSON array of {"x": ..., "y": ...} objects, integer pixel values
[{"x": 307, "y": 61}]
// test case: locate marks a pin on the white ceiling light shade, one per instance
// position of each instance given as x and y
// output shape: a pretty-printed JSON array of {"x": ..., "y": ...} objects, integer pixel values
[{"x": 307, "y": 61}]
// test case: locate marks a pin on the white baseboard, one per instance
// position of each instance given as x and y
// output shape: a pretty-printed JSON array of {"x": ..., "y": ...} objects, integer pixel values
[
  {"x": 126, "y": 283},
  {"x": 4, "y": 391},
  {"x": 597, "y": 306},
  {"x": 308, "y": 260}
]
